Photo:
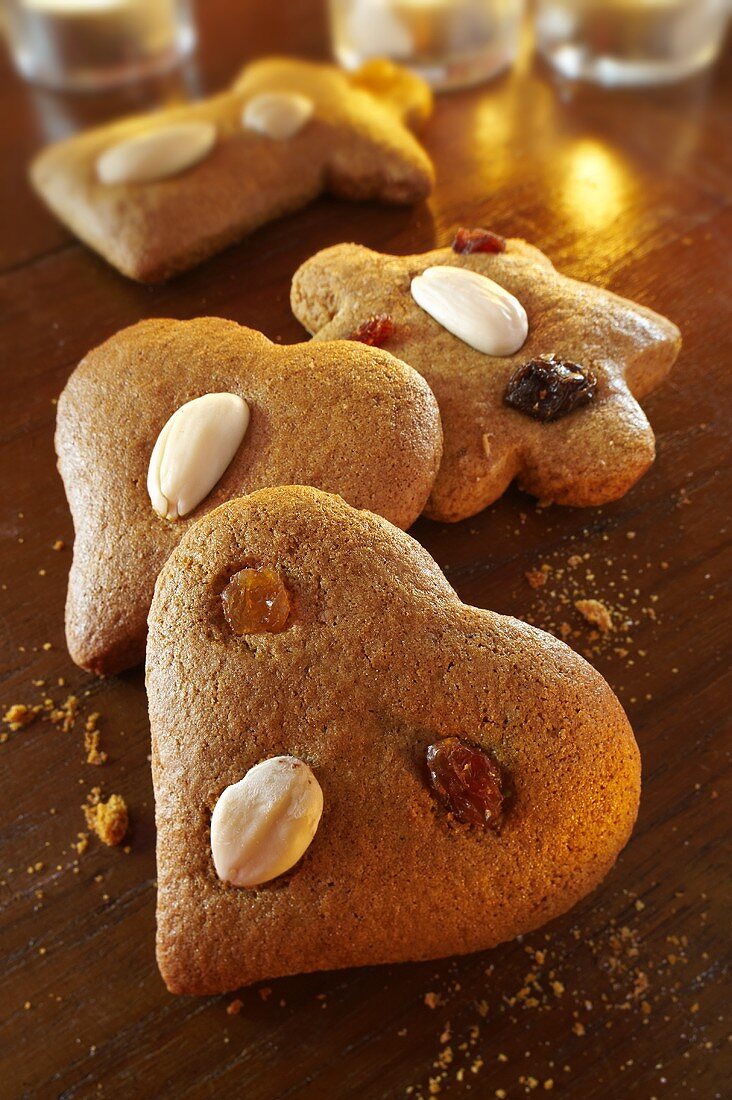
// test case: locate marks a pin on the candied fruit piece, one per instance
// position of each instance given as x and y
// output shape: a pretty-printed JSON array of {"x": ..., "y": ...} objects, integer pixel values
[
  {"x": 375, "y": 331},
  {"x": 467, "y": 780},
  {"x": 256, "y": 602},
  {"x": 478, "y": 240},
  {"x": 548, "y": 387},
  {"x": 383, "y": 79}
]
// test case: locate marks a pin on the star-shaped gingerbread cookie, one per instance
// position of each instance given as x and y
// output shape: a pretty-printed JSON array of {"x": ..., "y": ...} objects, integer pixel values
[
  {"x": 537, "y": 375},
  {"x": 158, "y": 193},
  {"x": 353, "y": 767},
  {"x": 167, "y": 419}
]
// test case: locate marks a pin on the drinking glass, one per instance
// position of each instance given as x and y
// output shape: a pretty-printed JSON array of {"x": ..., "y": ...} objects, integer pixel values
[
  {"x": 92, "y": 44},
  {"x": 623, "y": 42},
  {"x": 451, "y": 43}
]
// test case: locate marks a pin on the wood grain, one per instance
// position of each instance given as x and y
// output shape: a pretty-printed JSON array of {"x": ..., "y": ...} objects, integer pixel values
[{"x": 630, "y": 190}]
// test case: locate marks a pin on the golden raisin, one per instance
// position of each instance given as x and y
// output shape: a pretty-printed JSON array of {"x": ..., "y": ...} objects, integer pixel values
[
  {"x": 256, "y": 601},
  {"x": 467, "y": 780}
]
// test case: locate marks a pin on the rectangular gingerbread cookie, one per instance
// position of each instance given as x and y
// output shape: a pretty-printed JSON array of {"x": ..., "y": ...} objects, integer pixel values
[{"x": 158, "y": 193}]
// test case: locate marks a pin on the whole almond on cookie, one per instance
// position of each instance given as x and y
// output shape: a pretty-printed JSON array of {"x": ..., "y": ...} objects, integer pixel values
[
  {"x": 278, "y": 115},
  {"x": 262, "y": 825},
  {"x": 156, "y": 154},
  {"x": 475, "y": 309},
  {"x": 193, "y": 451},
  {"x": 477, "y": 776},
  {"x": 167, "y": 419}
]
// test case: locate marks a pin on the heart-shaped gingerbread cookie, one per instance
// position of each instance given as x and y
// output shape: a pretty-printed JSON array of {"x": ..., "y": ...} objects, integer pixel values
[
  {"x": 376, "y": 772},
  {"x": 167, "y": 419},
  {"x": 537, "y": 375}
]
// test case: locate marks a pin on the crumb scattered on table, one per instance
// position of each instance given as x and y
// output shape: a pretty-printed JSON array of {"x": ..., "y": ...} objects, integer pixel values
[
  {"x": 92, "y": 738},
  {"x": 19, "y": 715},
  {"x": 596, "y": 613},
  {"x": 109, "y": 820},
  {"x": 537, "y": 578}
]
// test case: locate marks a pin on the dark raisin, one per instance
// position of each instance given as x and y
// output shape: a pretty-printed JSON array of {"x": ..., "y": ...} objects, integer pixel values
[
  {"x": 478, "y": 240},
  {"x": 467, "y": 780},
  {"x": 548, "y": 387},
  {"x": 375, "y": 331}
]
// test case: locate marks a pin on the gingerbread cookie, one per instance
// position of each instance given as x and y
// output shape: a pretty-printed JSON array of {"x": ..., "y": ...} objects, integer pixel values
[
  {"x": 156, "y": 194},
  {"x": 167, "y": 419},
  {"x": 350, "y": 765},
  {"x": 537, "y": 375}
]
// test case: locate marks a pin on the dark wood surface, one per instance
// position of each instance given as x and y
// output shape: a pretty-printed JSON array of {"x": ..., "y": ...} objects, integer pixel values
[{"x": 626, "y": 995}]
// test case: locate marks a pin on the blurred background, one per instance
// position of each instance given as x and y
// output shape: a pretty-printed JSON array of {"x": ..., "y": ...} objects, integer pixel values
[{"x": 90, "y": 45}]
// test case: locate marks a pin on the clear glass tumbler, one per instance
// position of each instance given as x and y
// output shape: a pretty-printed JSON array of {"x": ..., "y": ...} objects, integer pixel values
[
  {"x": 451, "y": 43},
  {"x": 86, "y": 45},
  {"x": 630, "y": 42}
]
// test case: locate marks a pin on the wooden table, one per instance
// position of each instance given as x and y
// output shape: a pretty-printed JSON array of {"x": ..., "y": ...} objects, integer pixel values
[{"x": 623, "y": 997}]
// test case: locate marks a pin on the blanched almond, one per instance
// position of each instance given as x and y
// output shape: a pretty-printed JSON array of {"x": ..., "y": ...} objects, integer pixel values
[
  {"x": 262, "y": 825},
  {"x": 473, "y": 308},
  {"x": 279, "y": 115},
  {"x": 157, "y": 154},
  {"x": 193, "y": 450}
]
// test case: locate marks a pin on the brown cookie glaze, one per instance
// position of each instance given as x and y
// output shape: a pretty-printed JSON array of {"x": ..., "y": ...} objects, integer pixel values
[
  {"x": 341, "y": 416},
  {"x": 593, "y": 455},
  {"x": 357, "y": 145},
  {"x": 379, "y": 660}
]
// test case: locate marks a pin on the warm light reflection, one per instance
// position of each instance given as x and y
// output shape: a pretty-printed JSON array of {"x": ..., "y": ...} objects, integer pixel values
[
  {"x": 492, "y": 123},
  {"x": 508, "y": 118},
  {"x": 595, "y": 184}
]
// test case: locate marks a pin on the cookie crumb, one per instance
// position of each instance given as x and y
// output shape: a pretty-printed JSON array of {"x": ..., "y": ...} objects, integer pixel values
[
  {"x": 19, "y": 715},
  {"x": 537, "y": 578},
  {"x": 234, "y": 1007},
  {"x": 596, "y": 613},
  {"x": 94, "y": 754},
  {"x": 64, "y": 715},
  {"x": 109, "y": 820}
]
